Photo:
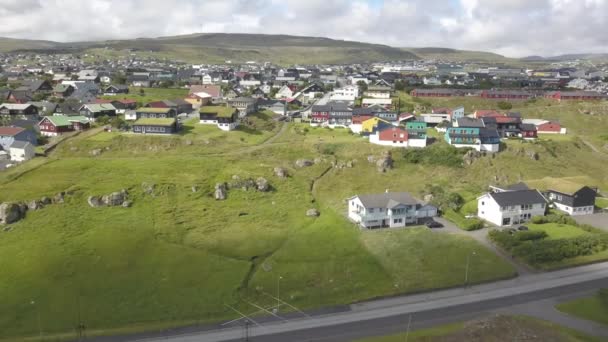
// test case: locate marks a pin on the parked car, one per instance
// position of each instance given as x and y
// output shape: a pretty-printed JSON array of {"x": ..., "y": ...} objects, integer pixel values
[
  {"x": 433, "y": 224},
  {"x": 522, "y": 228}
]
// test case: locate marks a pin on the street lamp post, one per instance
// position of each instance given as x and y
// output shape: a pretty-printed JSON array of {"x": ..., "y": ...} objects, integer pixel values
[
  {"x": 33, "y": 302},
  {"x": 279, "y": 292},
  {"x": 466, "y": 269}
]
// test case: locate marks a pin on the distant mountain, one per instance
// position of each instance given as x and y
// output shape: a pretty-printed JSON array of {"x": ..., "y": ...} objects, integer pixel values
[
  {"x": 459, "y": 55},
  {"x": 218, "y": 47}
]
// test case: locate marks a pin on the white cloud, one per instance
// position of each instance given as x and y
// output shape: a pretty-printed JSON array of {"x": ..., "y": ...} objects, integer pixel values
[{"x": 514, "y": 27}]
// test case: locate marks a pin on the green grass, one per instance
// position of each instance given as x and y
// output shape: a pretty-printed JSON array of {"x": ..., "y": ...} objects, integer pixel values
[
  {"x": 557, "y": 231},
  {"x": 512, "y": 326},
  {"x": 593, "y": 308},
  {"x": 150, "y": 94},
  {"x": 601, "y": 202},
  {"x": 126, "y": 264}
]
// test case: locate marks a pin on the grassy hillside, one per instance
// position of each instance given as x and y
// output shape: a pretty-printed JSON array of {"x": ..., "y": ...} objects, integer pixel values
[
  {"x": 460, "y": 55},
  {"x": 216, "y": 48}
]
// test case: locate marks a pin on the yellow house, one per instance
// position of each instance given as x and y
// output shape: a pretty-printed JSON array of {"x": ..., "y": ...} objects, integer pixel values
[{"x": 369, "y": 124}]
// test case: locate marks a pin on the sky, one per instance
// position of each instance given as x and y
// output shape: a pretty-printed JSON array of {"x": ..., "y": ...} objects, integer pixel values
[{"x": 514, "y": 28}]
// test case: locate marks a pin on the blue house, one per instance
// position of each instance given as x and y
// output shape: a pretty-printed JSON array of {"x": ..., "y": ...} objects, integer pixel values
[{"x": 8, "y": 135}]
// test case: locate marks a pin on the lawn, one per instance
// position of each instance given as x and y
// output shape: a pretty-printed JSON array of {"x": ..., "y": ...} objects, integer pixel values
[
  {"x": 179, "y": 256},
  {"x": 601, "y": 202},
  {"x": 557, "y": 231},
  {"x": 516, "y": 327},
  {"x": 150, "y": 94},
  {"x": 593, "y": 308}
]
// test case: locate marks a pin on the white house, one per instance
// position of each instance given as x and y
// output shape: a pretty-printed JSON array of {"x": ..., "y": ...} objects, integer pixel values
[
  {"x": 348, "y": 93},
  {"x": 21, "y": 151},
  {"x": 389, "y": 209},
  {"x": 284, "y": 92},
  {"x": 510, "y": 207},
  {"x": 207, "y": 79},
  {"x": 574, "y": 202},
  {"x": 386, "y": 103},
  {"x": 249, "y": 84}
]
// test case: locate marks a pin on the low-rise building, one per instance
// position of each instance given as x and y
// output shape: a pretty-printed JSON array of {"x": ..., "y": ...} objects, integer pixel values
[
  {"x": 21, "y": 151},
  {"x": 225, "y": 118},
  {"x": 55, "y": 125},
  {"x": 574, "y": 202},
  {"x": 155, "y": 126},
  {"x": 507, "y": 207},
  {"x": 388, "y": 210}
]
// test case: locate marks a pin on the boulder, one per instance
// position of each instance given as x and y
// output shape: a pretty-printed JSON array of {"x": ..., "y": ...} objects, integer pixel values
[
  {"x": 371, "y": 159},
  {"x": 280, "y": 172},
  {"x": 34, "y": 205},
  {"x": 304, "y": 163},
  {"x": 59, "y": 198},
  {"x": 188, "y": 142},
  {"x": 127, "y": 204},
  {"x": 385, "y": 162},
  {"x": 148, "y": 188},
  {"x": 350, "y": 164},
  {"x": 114, "y": 199},
  {"x": 532, "y": 155},
  {"x": 96, "y": 152},
  {"x": 194, "y": 188},
  {"x": 94, "y": 201},
  {"x": 262, "y": 184},
  {"x": 243, "y": 184},
  {"x": 45, "y": 201},
  {"x": 470, "y": 157},
  {"x": 220, "y": 191},
  {"x": 10, "y": 213},
  {"x": 312, "y": 213}
]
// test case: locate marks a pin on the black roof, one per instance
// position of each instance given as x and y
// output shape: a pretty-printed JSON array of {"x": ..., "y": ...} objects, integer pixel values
[
  {"x": 488, "y": 133},
  {"x": 467, "y": 122},
  {"x": 520, "y": 197},
  {"x": 518, "y": 186}
]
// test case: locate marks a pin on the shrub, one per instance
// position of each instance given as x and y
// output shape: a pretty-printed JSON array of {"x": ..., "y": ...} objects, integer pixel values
[
  {"x": 531, "y": 235},
  {"x": 505, "y": 105},
  {"x": 539, "y": 220}
]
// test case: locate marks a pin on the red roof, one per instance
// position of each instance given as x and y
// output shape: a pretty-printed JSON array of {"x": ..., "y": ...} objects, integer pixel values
[
  {"x": 127, "y": 101},
  {"x": 101, "y": 101},
  {"x": 11, "y": 131},
  {"x": 484, "y": 113},
  {"x": 506, "y": 119}
]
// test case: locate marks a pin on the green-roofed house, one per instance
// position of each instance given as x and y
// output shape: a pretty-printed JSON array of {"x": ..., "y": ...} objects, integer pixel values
[
  {"x": 59, "y": 124},
  {"x": 155, "y": 126},
  {"x": 225, "y": 117},
  {"x": 154, "y": 113}
]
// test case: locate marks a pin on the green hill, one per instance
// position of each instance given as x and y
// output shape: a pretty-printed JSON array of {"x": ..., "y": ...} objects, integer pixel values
[{"x": 218, "y": 47}]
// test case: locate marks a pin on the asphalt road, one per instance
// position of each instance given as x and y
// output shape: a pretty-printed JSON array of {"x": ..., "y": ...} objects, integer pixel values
[{"x": 391, "y": 315}]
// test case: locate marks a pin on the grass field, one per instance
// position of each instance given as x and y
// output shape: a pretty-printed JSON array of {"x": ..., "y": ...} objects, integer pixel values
[
  {"x": 492, "y": 329},
  {"x": 601, "y": 202},
  {"x": 557, "y": 231},
  {"x": 150, "y": 94},
  {"x": 591, "y": 308},
  {"x": 179, "y": 256}
]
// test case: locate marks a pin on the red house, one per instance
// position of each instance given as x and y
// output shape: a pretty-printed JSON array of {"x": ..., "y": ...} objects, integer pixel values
[
  {"x": 528, "y": 131},
  {"x": 395, "y": 135},
  {"x": 59, "y": 124},
  {"x": 320, "y": 114},
  {"x": 549, "y": 127},
  {"x": 575, "y": 95},
  {"x": 506, "y": 94}
]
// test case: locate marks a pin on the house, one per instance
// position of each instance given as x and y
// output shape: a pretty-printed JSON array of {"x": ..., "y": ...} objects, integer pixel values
[
  {"x": 438, "y": 92},
  {"x": 20, "y": 96},
  {"x": 378, "y": 92},
  {"x": 114, "y": 89},
  {"x": 226, "y": 118},
  {"x": 286, "y": 91},
  {"x": 13, "y": 111},
  {"x": 198, "y": 99},
  {"x": 412, "y": 135},
  {"x": 389, "y": 209},
  {"x": 215, "y": 91},
  {"x": 10, "y": 134},
  {"x": 575, "y": 95},
  {"x": 340, "y": 116},
  {"x": 245, "y": 105},
  {"x": 471, "y": 133},
  {"x": 528, "y": 131},
  {"x": 276, "y": 106},
  {"x": 155, "y": 126},
  {"x": 507, "y": 126},
  {"x": 385, "y": 103},
  {"x": 485, "y": 113},
  {"x": 511, "y": 207},
  {"x": 96, "y": 110},
  {"x": 44, "y": 107},
  {"x": 506, "y": 94},
  {"x": 155, "y": 113},
  {"x": 54, "y": 125},
  {"x": 21, "y": 151},
  {"x": 550, "y": 127},
  {"x": 348, "y": 93},
  {"x": 573, "y": 201},
  {"x": 37, "y": 86},
  {"x": 63, "y": 91},
  {"x": 179, "y": 105},
  {"x": 139, "y": 81}
]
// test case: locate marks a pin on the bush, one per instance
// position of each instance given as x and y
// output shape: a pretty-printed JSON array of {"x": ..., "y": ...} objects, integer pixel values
[
  {"x": 505, "y": 105},
  {"x": 531, "y": 235},
  {"x": 443, "y": 155},
  {"x": 539, "y": 220}
]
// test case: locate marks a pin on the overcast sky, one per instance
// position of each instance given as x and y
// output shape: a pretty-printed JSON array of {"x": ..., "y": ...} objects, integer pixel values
[{"x": 510, "y": 27}]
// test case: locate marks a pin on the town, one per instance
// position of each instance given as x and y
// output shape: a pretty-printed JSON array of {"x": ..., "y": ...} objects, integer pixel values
[{"x": 141, "y": 193}]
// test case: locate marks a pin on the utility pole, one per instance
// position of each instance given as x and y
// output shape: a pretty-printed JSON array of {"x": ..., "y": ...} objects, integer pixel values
[
  {"x": 246, "y": 327},
  {"x": 466, "y": 269},
  {"x": 407, "y": 332},
  {"x": 279, "y": 292}
]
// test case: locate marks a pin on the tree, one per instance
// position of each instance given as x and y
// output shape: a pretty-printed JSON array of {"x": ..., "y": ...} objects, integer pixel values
[
  {"x": 399, "y": 85},
  {"x": 142, "y": 92},
  {"x": 362, "y": 86}
]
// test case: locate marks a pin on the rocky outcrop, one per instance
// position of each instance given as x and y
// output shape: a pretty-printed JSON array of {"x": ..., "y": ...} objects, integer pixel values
[
  {"x": 243, "y": 184},
  {"x": 35, "y": 205},
  {"x": 46, "y": 201},
  {"x": 532, "y": 155},
  {"x": 471, "y": 156},
  {"x": 148, "y": 189},
  {"x": 220, "y": 191},
  {"x": 94, "y": 201},
  {"x": 96, "y": 152},
  {"x": 115, "y": 199},
  {"x": 280, "y": 172},
  {"x": 12, "y": 212},
  {"x": 385, "y": 162},
  {"x": 313, "y": 213},
  {"x": 59, "y": 198},
  {"x": 304, "y": 163},
  {"x": 262, "y": 184}
]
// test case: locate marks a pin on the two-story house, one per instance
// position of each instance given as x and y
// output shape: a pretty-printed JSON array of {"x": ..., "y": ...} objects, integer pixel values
[
  {"x": 573, "y": 202},
  {"x": 389, "y": 209},
  {"x": 510, "y": 207}
]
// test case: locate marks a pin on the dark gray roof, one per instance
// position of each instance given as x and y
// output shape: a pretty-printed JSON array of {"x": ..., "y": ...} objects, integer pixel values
[
  {"x": 470, "y": 122},
  {"x": 520, "y": 197},
  {"x": 527, "y": 127},
  {"x": 387, "y": 200},
  {"x": 19, "y": 144},
  {"x": 518, "y": 186}
]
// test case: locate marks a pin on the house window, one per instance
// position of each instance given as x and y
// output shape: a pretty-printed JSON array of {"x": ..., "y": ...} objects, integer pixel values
[
  {"x": 483, "y": 203},
  {"x": 398, "y": 221},
  {"x": 371, "y": 210}
]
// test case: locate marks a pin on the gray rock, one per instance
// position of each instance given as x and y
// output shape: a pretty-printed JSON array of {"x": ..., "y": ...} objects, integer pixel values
[
  {"x": 304, "y": 163},
  {"x": 532, "y": 155},
  {"x": 243, "y": 184},
  {"x": 59, "y": 198},
  {"x": 188, "y": 142},
  {"x": 96, "y": 152},
  {"x": 349, "y": 164},
  {"x": 114, "y": 199},
  {"x": 127, "y": 204},
  {"x": 385, "y": 162},
  {"x": 34, "y": 205},
  {"x": 280, "y": 172},
  {"x": 428, "y": 198},
  {"x": 194, "y": 188},
  {"x": 11, "y": 213},
  {"x": 313, "y": 213},
  {"x": 45, "y": 200},
  {"x": 220, "y": 191},
  {"x": 148, "y": 188},
  {"x": 262, "y": 184},
  {"x": 94, "y": 202},
  {"x": 371, "y": 159}
]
